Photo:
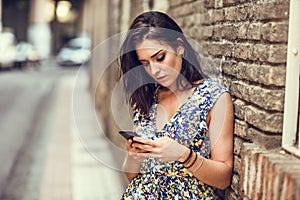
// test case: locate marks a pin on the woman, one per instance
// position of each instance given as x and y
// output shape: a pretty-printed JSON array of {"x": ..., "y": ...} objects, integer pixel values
[{"x": 185, "y": 120}]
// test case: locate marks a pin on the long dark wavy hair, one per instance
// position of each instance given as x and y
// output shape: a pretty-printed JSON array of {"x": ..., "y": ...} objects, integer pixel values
[{"x": 139, "y": 86}]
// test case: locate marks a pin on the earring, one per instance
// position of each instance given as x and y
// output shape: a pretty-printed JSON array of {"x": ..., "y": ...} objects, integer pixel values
[{"x": 181, "y": 52}]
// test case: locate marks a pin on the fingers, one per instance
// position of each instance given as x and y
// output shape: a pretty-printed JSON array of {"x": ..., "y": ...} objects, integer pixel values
[
  {"x": 128, "y": 144},
  {"x": 143, "y": 147},
  {"x": 142, "y": 150},
  {"x": 146, "y": 151},
  {"x": 164, "y": 148},
  {"x": 144, "y": 141},
  {"x": 130, "y": 147}
]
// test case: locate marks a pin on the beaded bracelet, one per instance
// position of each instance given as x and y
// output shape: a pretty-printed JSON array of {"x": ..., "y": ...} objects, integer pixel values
[
  {"x": 193, "y": 161},
  {"x": 199, "y": 166},
  {"x": 188, "y": 158}
]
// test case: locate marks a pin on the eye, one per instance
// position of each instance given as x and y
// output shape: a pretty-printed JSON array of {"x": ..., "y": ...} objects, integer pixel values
[
  {"x": 161, "y": 57},
  {"x": 145, "y": 64}
]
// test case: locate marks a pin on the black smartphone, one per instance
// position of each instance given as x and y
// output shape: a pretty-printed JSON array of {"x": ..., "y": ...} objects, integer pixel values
[{"x": 128, "y": 134}]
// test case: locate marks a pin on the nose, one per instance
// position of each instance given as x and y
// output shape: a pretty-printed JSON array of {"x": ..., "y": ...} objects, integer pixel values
[{"x": 155, "y": 69}]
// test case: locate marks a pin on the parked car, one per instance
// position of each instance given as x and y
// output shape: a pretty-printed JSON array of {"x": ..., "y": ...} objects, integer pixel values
[
  {"x": 76, "y": 52},
  {"x": 8, "y": 50},
  {"x": 26, "y": 54}
]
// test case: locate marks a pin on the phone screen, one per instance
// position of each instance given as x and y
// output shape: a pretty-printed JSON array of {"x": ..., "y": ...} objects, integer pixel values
[{"x": 128, "y": 134}]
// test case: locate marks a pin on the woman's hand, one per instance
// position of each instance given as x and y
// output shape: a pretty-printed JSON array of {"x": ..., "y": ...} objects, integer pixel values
[
  {"x": 132, "y": 162},
  {"x": 164, "y": 149},
  {"x": 133, "y": 151}
]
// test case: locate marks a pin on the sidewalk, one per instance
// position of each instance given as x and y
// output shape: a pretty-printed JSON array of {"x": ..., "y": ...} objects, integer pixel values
[{"x": 71, "y": 173}]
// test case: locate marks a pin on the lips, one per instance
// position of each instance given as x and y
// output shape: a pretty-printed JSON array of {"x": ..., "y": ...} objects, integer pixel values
[{"x": 161, "y": 78}]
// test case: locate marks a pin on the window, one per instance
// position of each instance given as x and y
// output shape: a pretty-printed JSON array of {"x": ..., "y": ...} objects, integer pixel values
[{"x": 291, "y": 124}]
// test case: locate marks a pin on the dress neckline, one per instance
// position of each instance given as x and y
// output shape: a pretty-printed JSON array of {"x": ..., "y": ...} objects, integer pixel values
[{"x": 175, "y": 114}]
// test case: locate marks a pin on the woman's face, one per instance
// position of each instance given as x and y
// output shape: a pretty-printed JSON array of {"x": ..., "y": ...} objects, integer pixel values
[{"x": 160, "y": 61}]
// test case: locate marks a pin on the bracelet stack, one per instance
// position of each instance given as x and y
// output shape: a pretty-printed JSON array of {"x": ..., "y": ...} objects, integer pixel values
[
  {"x": 188, "y": 158},
  {"x": 191, "y": 160}
]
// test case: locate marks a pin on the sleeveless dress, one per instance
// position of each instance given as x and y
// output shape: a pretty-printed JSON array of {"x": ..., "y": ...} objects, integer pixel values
[{"x": 170, "y": 180}]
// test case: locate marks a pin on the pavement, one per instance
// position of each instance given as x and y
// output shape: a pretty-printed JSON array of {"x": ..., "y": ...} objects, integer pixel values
[{"x": 72, "y": 172}]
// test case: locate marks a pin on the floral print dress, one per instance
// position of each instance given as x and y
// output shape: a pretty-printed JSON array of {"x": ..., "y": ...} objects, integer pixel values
[{"x": 170, "y": 180}]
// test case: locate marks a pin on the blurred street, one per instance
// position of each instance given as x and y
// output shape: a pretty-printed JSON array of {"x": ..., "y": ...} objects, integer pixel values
[{"x": 41, "y": 155}]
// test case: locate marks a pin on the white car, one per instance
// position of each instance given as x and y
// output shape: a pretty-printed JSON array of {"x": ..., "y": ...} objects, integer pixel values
[
  {"x": 26, "y": 54},
  {"x": 76, "y": 52}
]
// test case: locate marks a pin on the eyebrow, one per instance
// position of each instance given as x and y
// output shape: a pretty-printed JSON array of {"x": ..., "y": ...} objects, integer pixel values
[{"x": 154, "y": 54}]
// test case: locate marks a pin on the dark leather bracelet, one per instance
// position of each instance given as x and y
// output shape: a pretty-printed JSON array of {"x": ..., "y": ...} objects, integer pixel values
[
  {"x": 188, "y": 158},
  {"x": 192, "y": 162}
]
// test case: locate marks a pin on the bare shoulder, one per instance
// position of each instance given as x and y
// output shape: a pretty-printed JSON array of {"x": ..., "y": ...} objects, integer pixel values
[{"x": 222, "y": 107}]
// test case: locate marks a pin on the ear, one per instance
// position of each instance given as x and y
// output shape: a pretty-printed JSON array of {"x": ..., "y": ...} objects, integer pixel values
[{"x": 180, "y": 47}]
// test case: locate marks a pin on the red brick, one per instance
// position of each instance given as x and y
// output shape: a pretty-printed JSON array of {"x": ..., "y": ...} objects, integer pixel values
[
  {"x": 268, "y": 159},
  {"x": 253, "y": 172},
  {"x": 259, "y": 177},
  {"x": 270, "y": 178},
  {"x": 290, "y": 186},
  {"x": 297, "y": 195},
  {"x": 245, "y": 168},
  {"x": 265, "y": 178},
  {"x": 277, "y": 164},
  {"x": 277, "y": 181},
  {"x": 281, "y": 167},
  {"x": 244, "y": 176},
  {"x": 250, "y": 153}
]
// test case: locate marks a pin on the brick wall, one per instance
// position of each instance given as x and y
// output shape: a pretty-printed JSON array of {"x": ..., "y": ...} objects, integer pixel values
[
  {"x": 269, "y": 174},
  {"x": 247, "y": 41}
]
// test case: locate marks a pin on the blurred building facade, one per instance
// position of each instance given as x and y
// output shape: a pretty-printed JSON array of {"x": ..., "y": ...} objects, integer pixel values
[
  {"x": 47, "y": 24},
  {"x": 250, "y": 44},
  {"x": 39, "y": 30}
]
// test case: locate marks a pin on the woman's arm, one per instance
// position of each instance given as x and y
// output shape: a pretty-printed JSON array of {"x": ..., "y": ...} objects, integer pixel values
[
  {"x": 132, "y": 163},
  {"x": 217, "y": 171}
]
